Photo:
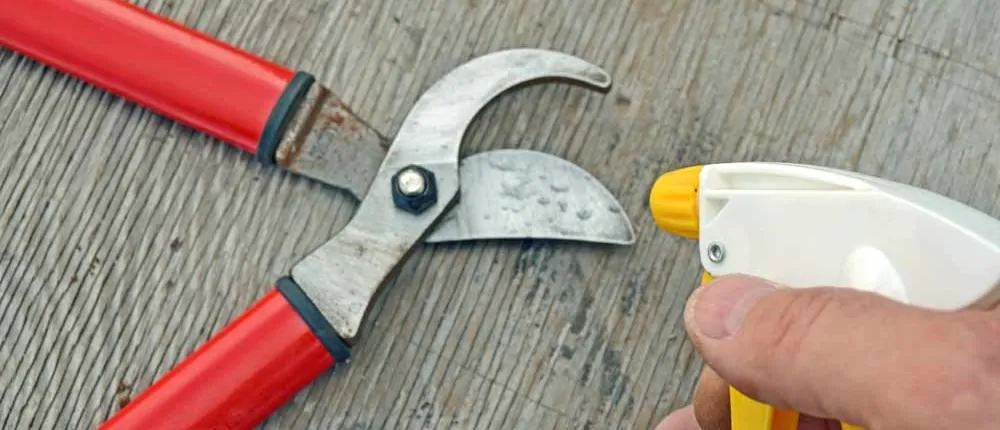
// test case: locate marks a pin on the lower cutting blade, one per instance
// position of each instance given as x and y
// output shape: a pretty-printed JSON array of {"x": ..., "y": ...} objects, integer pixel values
[{"x": 523, "y": 194}]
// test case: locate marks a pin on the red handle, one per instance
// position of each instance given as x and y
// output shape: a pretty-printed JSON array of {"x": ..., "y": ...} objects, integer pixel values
[
  {"x": 242, "y": 375},
  {"x": 179, "y": 73}
]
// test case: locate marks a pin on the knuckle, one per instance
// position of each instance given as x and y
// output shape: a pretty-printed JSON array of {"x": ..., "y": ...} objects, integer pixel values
[
  {"x": 788, "y": 338},
  {"x": 796, "y": 321},
  {"x": 969, "y": 391},
  {"x": 986, "y": 350}
]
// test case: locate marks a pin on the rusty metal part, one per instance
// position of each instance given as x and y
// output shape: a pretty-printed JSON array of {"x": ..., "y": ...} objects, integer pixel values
[{"x": 326, "y": 141}]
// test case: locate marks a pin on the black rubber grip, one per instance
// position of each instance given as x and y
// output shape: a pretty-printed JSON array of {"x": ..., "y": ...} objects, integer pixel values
[
  {"x": 314, "y": 319},
  {"x": 277, "y": 121}
]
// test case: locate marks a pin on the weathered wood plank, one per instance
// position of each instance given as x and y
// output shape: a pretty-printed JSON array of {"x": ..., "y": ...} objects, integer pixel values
[{"x": 128, "y": 240}]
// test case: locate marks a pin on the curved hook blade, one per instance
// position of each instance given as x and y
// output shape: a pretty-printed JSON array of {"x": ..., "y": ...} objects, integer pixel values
[{"x": 434, "y": 128}]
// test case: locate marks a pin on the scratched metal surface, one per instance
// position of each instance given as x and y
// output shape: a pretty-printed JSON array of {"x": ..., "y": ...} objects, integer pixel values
[{"x": 126, "y": 240}]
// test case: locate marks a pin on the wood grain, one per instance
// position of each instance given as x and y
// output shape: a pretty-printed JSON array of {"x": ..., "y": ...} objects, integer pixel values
[{"x": 127, "y": 240}]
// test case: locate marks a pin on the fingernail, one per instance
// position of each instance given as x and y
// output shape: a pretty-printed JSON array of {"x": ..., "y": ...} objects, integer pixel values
[
  {"x": 681, "y": 419},
  {"x": 721, "y": 306}
]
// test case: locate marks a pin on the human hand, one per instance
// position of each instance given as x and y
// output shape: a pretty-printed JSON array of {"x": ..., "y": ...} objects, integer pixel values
[{"x": 838, "y": 354}]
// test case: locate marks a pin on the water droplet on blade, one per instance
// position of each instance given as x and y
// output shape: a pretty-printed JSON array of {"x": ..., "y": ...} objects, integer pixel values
[
  {"x": 516, "y": 188},
  {"x": 583, "y": 214},
  {"x": 502, "y": 164},
  {"x": 563, "y": 230},
  {"x": 560, "y": 188},
  {"x": 544, "y": 201}
]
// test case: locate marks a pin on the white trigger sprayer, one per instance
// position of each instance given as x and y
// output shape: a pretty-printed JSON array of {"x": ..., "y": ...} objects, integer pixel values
[{"x": 808, "y": 226}]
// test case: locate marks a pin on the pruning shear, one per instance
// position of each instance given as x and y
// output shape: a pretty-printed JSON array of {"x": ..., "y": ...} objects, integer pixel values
[{"x": 414, "y": 190}]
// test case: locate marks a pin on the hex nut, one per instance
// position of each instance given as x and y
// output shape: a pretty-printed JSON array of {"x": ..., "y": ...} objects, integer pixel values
[{"x": 415, "y": 203}]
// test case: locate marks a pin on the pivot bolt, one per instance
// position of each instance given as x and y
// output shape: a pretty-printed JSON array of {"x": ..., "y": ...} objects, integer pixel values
[
  {"x": 414, "y": 189},
  {"x": 411, "y": 183}
]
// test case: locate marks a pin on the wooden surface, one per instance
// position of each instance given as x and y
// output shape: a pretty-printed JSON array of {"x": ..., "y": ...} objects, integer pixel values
[{"x": 126, "y": 240}]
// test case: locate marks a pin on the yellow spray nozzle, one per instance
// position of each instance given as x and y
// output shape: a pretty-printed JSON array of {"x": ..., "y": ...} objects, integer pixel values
[{"x": 673, "y": 201}]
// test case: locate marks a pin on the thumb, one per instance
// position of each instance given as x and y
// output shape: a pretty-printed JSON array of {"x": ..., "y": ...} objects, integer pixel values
[{"x": 849, "y": 355}]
